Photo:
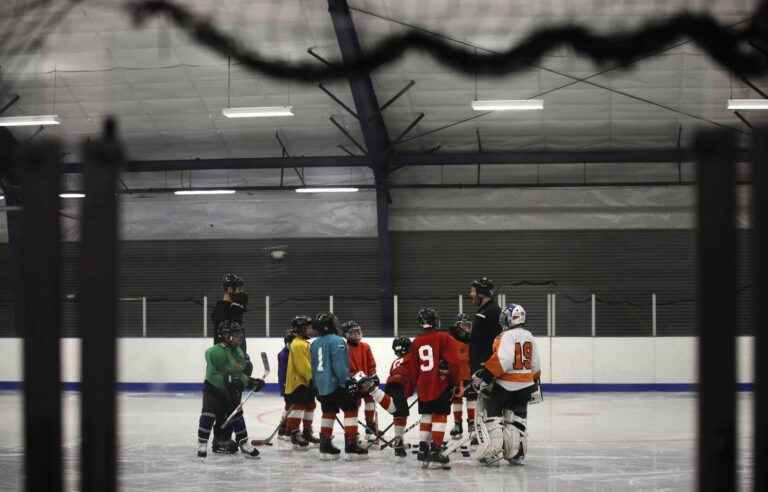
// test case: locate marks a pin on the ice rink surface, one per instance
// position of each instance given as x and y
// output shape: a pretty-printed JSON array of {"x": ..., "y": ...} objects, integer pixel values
[{"x": 578, "y": 442}]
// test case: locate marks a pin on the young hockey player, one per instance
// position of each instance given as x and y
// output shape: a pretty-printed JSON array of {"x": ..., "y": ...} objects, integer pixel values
[
  {"x": 399, "y": 387},
  {"x": 330, "y": 375},
  {"x": 299, "y": 392},
  {"x": 436, "y": 372},
  {"x": 361, "y": 360},
  {"x": 224, "y": 382},
  {"x": 282, "y": 371},
  {"x": 506, "y": 384},
  {"x": 461, "y": 331}
]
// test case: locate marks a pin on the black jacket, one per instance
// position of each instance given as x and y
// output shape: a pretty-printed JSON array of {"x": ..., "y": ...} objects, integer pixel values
[
  {"x": 485, "y": 328},
  {"x": 228, "y": 311}
]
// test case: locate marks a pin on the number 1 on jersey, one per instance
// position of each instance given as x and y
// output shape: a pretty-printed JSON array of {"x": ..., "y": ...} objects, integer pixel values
[{"x": 320, "y": 360}]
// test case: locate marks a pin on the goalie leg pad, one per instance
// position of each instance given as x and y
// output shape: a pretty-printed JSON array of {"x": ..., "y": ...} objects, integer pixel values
[{"x": 491, "y": 439}]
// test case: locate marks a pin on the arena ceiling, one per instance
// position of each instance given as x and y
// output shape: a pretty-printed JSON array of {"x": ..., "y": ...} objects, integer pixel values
[{"x": 168, "y": 92}]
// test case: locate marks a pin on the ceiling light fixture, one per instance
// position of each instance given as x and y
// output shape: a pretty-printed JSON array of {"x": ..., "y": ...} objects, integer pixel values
[
  {"x": 71, "y": 195},
  {"x": 508, "y": 104},
  {"x": 257, "y": 112},
  {"x": 327, "y": 190},
  {"x": 745, "y": 104},
  {"x": 204, "y": 192},
  {"x": 37, "y": 120}
]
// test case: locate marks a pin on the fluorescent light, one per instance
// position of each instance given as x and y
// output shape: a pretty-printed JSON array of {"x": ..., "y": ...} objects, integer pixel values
[
  {"x": 2, "y": 197},
  {"x": 747, "y": 103},
  {"x": 46, "y": 119},
  {"x": 204, "y": 192},
  {"x": 261, "y": 112},
  {"x": 326, "y": 190},
  {"x": 71, "y": 195},
  {"x": 508, "y": 105}
]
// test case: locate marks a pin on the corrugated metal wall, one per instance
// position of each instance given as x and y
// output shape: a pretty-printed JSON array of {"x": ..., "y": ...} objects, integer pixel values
[{"x": 621, "y": 267}]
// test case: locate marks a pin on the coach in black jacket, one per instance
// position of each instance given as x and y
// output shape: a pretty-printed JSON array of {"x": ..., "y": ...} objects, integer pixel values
[{"x": 485, "y": 326}]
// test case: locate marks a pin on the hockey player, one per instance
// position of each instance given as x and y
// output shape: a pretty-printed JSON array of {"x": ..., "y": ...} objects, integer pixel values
[
  {"x": 435, "y": 369},
  {"x": 399, "y": 387},
  {"x": 506, "y": 384},
  {"x": 361, "y": 360},
  {"x": 461, "y": 331},
  {"x": 485, "y": 328},
  {"x": 330, "y": 375},
  {"x": 231, "y": 307},
  {"x": 282, "y": 371},
  {"x": 299, "y": 393},
  {"x": 224, "y": 382}
]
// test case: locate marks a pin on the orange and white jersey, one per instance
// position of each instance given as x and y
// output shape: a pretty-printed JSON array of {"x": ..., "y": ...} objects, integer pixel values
[{"x": 515, "y": 359}]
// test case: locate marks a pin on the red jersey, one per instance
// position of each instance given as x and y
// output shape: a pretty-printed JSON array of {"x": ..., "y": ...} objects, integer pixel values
[
  {"x": 462, "y": 351},
  {"x": 400, "y": 373},
  {"x": 361, "y": 359},
  {"x": 428, "y": 350}
]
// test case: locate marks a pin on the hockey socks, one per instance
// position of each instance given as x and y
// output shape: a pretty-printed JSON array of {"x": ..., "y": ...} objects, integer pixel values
[
  {"x": 425, "y": 428},
  {"x": 439, "y": 423},
  {"x": 457, "y": 407},
  {"x": 205, "y": 426}
]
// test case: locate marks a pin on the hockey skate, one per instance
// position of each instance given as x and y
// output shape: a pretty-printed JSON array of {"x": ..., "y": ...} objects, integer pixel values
[
  {"x": 225, "y": 447},
  {"x": 327, "y": 450},
  {"x": 355, "y": 452},
  {"x": 437, "y": 458},
  {"x": 309, "y": 437},
  {"x": 370, "y": 438},
  {"x": 457, "y": 431},
  {"x": 282, "y": 434},
  {"x": 423, "y": 454},
  {"x": 519, "y": 458},
  {"x": 298, "y": 441},
  {"x": 247, "y": 449},
  {"x": 202, "y": 449},
  {"x": 399, "y": 446}
]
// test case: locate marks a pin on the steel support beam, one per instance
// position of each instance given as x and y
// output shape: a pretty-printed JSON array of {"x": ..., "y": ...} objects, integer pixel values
[
  {"x": 10, "y": 186},
  {"x": 377, "y": 143},
  {"x": 648, "y": 156}
]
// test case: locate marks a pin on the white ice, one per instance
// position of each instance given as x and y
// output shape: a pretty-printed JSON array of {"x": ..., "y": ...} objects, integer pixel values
[{"x": 596, "y": 442}]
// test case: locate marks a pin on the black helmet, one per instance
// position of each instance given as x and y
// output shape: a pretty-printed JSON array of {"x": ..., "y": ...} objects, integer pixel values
[
  {"x": 456, "y": 330},
  {"x": 484, "y": 286},
  {"x": 299, "y": 321},
  {"x": 231, "y": 280},
  {"x": 401, "y": 346},
  {"x": 428, "y": 318},
  {"x": 227, "y": 329},
  {"x": 325, "y": 323},
  {"x": 349, "y": 325}
]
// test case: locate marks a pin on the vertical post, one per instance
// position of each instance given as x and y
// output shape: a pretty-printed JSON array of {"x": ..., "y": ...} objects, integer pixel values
[
  {"x": 41, "y": 267},
  {"x": 205, "y": 316},
  {"x": 144, "y": 317},
  {"x": 593, "y": 315},
  {"x": 267, "y": 315},
  {"x": 461, "y": 303},
  {"x": 394, "y": 313},
  {"x": 330, "y": 304},
  {"x": 653, "y": 314},
  {"x": 716, "y": 260},
  {"x": 549, "y": 315},
  {"x": 498, "y": 299},
  {"x": 554, "y": 315},
  {"x": 759, "y": 300},
  {"x": 98, "y": 280}
]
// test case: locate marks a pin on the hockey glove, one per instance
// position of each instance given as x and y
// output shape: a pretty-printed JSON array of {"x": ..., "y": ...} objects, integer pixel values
[
  {"x": 256, "y": 384},
  {"x": 443, "y": 369},
  {"x": 482, "y": 380},
  {"x": 248, "y": 369}
]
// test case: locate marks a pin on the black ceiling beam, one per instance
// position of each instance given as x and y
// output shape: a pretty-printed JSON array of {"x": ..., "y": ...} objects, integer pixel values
[
  {"x": 649, "y": 156},
  {"x": 377, "y": 143}
]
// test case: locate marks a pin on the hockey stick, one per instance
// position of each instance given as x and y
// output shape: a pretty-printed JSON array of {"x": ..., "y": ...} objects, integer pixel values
[
  {"x": 385, "y": 446},
  {"x": 265, "y": 361},
  {"x": 268, "y": 440},
  {"x": 377, "y": 434},
  {"x": 393, "y": 422}
]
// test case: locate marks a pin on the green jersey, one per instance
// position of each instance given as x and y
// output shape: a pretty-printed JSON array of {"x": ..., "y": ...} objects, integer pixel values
[{"x": 223, "y": 361}]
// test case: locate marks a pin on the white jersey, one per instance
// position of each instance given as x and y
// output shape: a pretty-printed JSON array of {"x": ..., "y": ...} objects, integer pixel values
[{"x": 515, "y": 359}]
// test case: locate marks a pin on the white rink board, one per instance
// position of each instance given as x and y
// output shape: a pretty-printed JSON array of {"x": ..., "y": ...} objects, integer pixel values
[{"x": 565, "y": 360}]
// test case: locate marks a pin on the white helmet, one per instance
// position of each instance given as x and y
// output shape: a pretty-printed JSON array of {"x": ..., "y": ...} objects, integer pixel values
[{"x": 512, "y": 316}]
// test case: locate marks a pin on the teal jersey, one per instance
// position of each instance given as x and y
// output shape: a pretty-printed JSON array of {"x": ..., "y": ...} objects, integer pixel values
[{"x": 330, "y": 363}]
